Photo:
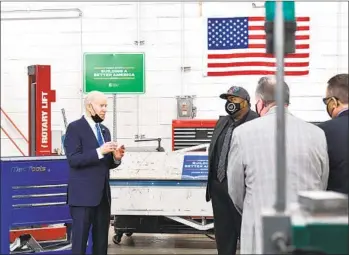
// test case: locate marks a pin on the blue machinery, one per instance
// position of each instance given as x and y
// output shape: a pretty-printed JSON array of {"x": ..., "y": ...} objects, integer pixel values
[{"x": 33, "y": 192}]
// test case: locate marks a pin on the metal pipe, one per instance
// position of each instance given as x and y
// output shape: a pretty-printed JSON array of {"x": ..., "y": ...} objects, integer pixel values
[
  {"x": 64, "y": 118},
  {"x": 43, "y": 10},
  {"x": 138, "y": 43},
  {"x": 32, "y": 124},
  {"x": 40, "y": 11},
  {"x": 14, "y": 125},
  {"x": 183, "y": 89},
  {"x": 39, "y": 18},
  {"x": 82, "y": 67},
  {"x": 280, "y": 203},
  {"x": 339, "y": 34},
  {"x": 114, "y": 118}
]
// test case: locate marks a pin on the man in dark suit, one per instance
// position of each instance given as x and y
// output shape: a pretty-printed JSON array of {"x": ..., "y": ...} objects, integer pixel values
[
  {"x": 227, "y": 220},
  {"x": 90, "y": 154},
  {"x": 336, "y": 131}
]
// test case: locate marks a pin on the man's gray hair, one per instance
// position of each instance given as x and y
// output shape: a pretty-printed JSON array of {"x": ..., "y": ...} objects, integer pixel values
[
  {"x": 91, "y": 96},
  {"x": 266, "y": 89}
]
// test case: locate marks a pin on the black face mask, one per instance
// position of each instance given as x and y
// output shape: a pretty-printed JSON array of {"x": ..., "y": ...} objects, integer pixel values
[
  {"x": 96, "y": 117},
  {"x": 232, "y": 108}
]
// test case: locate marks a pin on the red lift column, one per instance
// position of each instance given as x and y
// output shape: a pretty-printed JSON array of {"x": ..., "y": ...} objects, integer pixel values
[{"x": 39, "y": 111}]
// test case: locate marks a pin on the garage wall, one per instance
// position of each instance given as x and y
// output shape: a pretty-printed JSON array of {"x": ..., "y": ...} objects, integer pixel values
[{"x": 173, "y": 35}]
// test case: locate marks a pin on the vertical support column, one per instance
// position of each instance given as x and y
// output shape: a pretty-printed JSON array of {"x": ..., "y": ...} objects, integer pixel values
[
  {"x": 280, "y": 113},
  {"x": 32, "y": 110},
  {"x": 40, "y": 98},
  {"x": 138, "y": 135},
  {"x": 114, "y": 119},
  {"x": 277, "y": 223}
]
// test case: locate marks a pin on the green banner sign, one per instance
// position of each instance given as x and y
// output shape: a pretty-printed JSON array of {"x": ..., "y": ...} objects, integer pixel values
[{"x": 114, "y": 72}]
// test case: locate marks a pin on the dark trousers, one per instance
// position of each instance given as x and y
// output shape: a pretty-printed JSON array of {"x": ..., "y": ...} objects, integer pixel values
[
  {"x": 83, "y": 218},
  {"x": 227, "y": 220}
]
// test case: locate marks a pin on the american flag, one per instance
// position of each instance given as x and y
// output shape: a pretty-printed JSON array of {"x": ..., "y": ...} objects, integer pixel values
[{"x": 236, "y": 46}]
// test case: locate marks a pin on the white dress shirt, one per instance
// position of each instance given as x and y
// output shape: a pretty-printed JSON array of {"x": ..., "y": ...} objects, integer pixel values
[{"x": 93, "y": 127}]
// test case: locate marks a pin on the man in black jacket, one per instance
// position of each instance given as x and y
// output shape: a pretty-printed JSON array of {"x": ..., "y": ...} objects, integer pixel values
[
  {"x": 227, "y": 220},
  {"x": 336, "y": 131}
]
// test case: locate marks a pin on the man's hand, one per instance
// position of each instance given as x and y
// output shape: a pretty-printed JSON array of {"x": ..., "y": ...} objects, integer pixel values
[
  {"x": 108, "y": 147},
  {"x": 119, "y": 152}
]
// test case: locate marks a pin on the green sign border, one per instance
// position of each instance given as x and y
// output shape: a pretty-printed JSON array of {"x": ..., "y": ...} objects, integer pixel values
[{"x": 112, "y": 53}]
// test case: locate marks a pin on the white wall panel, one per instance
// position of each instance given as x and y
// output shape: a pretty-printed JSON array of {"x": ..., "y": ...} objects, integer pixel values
[
  {"x": 194, "y": 44},
  {"x": 168, "y": 79},
  {"x": 108, "y": 38},
  {"x": 116, "y": 25},
  {"x": 192, "y": 10},
  {"x": 160, "y": 9},
  {"x": 110, "y": 10},
  {"x": 155, "y": 37},
  {"x": 166, "y": 64},
  {"x": 167, "y": 110},
  {"x": 164, "y": 51}
]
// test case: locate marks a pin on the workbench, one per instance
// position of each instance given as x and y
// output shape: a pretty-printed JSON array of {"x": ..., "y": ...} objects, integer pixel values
[{"x": 153, "y": 189}]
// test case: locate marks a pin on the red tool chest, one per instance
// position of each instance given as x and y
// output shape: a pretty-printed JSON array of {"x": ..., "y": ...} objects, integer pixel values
[{"x": 187, "y": 133}]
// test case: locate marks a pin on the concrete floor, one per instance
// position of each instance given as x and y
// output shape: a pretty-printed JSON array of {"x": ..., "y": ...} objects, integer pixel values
[{"x": 162, "y": 244}]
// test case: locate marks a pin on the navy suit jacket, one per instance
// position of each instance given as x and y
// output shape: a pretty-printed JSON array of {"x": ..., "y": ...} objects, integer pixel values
[
  {"x": 337, "y": 135},
  {"x": 88, "y": 175}
]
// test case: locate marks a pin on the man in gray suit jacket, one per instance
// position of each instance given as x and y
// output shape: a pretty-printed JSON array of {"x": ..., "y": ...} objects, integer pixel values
[{"x": 252, "y": 169}]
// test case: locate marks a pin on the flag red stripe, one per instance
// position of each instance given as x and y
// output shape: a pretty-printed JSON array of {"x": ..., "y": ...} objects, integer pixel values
[
  {"x": 256, "y": 72},
  {"x": 262, "y": 37},
  {"x": 255, "y": 63},
  {"x": 299, "y": 19},
  {"x": 254, "y": 55},
  {"x": 299, "y": 28},
  {"x": 262, "y": 46}
]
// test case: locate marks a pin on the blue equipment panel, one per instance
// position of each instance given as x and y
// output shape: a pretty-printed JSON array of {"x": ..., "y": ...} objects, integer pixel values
[
  {"x": 33, "y": 192},
  {"x": 195, "y": 167}
]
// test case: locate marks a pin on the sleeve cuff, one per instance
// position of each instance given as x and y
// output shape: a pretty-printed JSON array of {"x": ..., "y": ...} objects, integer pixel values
[
  {"x": 99, "y": 153},
  {"x": 117, "y": 161}
]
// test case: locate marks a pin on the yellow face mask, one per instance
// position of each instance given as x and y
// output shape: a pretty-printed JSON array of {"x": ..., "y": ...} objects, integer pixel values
[{"x": 331, "y": 103}]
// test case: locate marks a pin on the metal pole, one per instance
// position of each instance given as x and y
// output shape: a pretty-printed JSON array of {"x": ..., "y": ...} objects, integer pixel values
[
  {"x": 64, "y": 118},
  {"x": 32, "y": 122},
  {"x": 138, "y": 44},
  {"x": 280, "y": 203},
  {"x": 114, "y": 118}
]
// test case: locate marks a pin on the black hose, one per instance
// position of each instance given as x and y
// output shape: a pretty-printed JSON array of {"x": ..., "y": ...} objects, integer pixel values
[{"x": 211, "y": 237}]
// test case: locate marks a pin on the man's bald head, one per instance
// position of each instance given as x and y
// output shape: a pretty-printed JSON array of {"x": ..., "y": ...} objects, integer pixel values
[
  {"x": 266, "y": 90},
  {"x": 96, "y": 103}
]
